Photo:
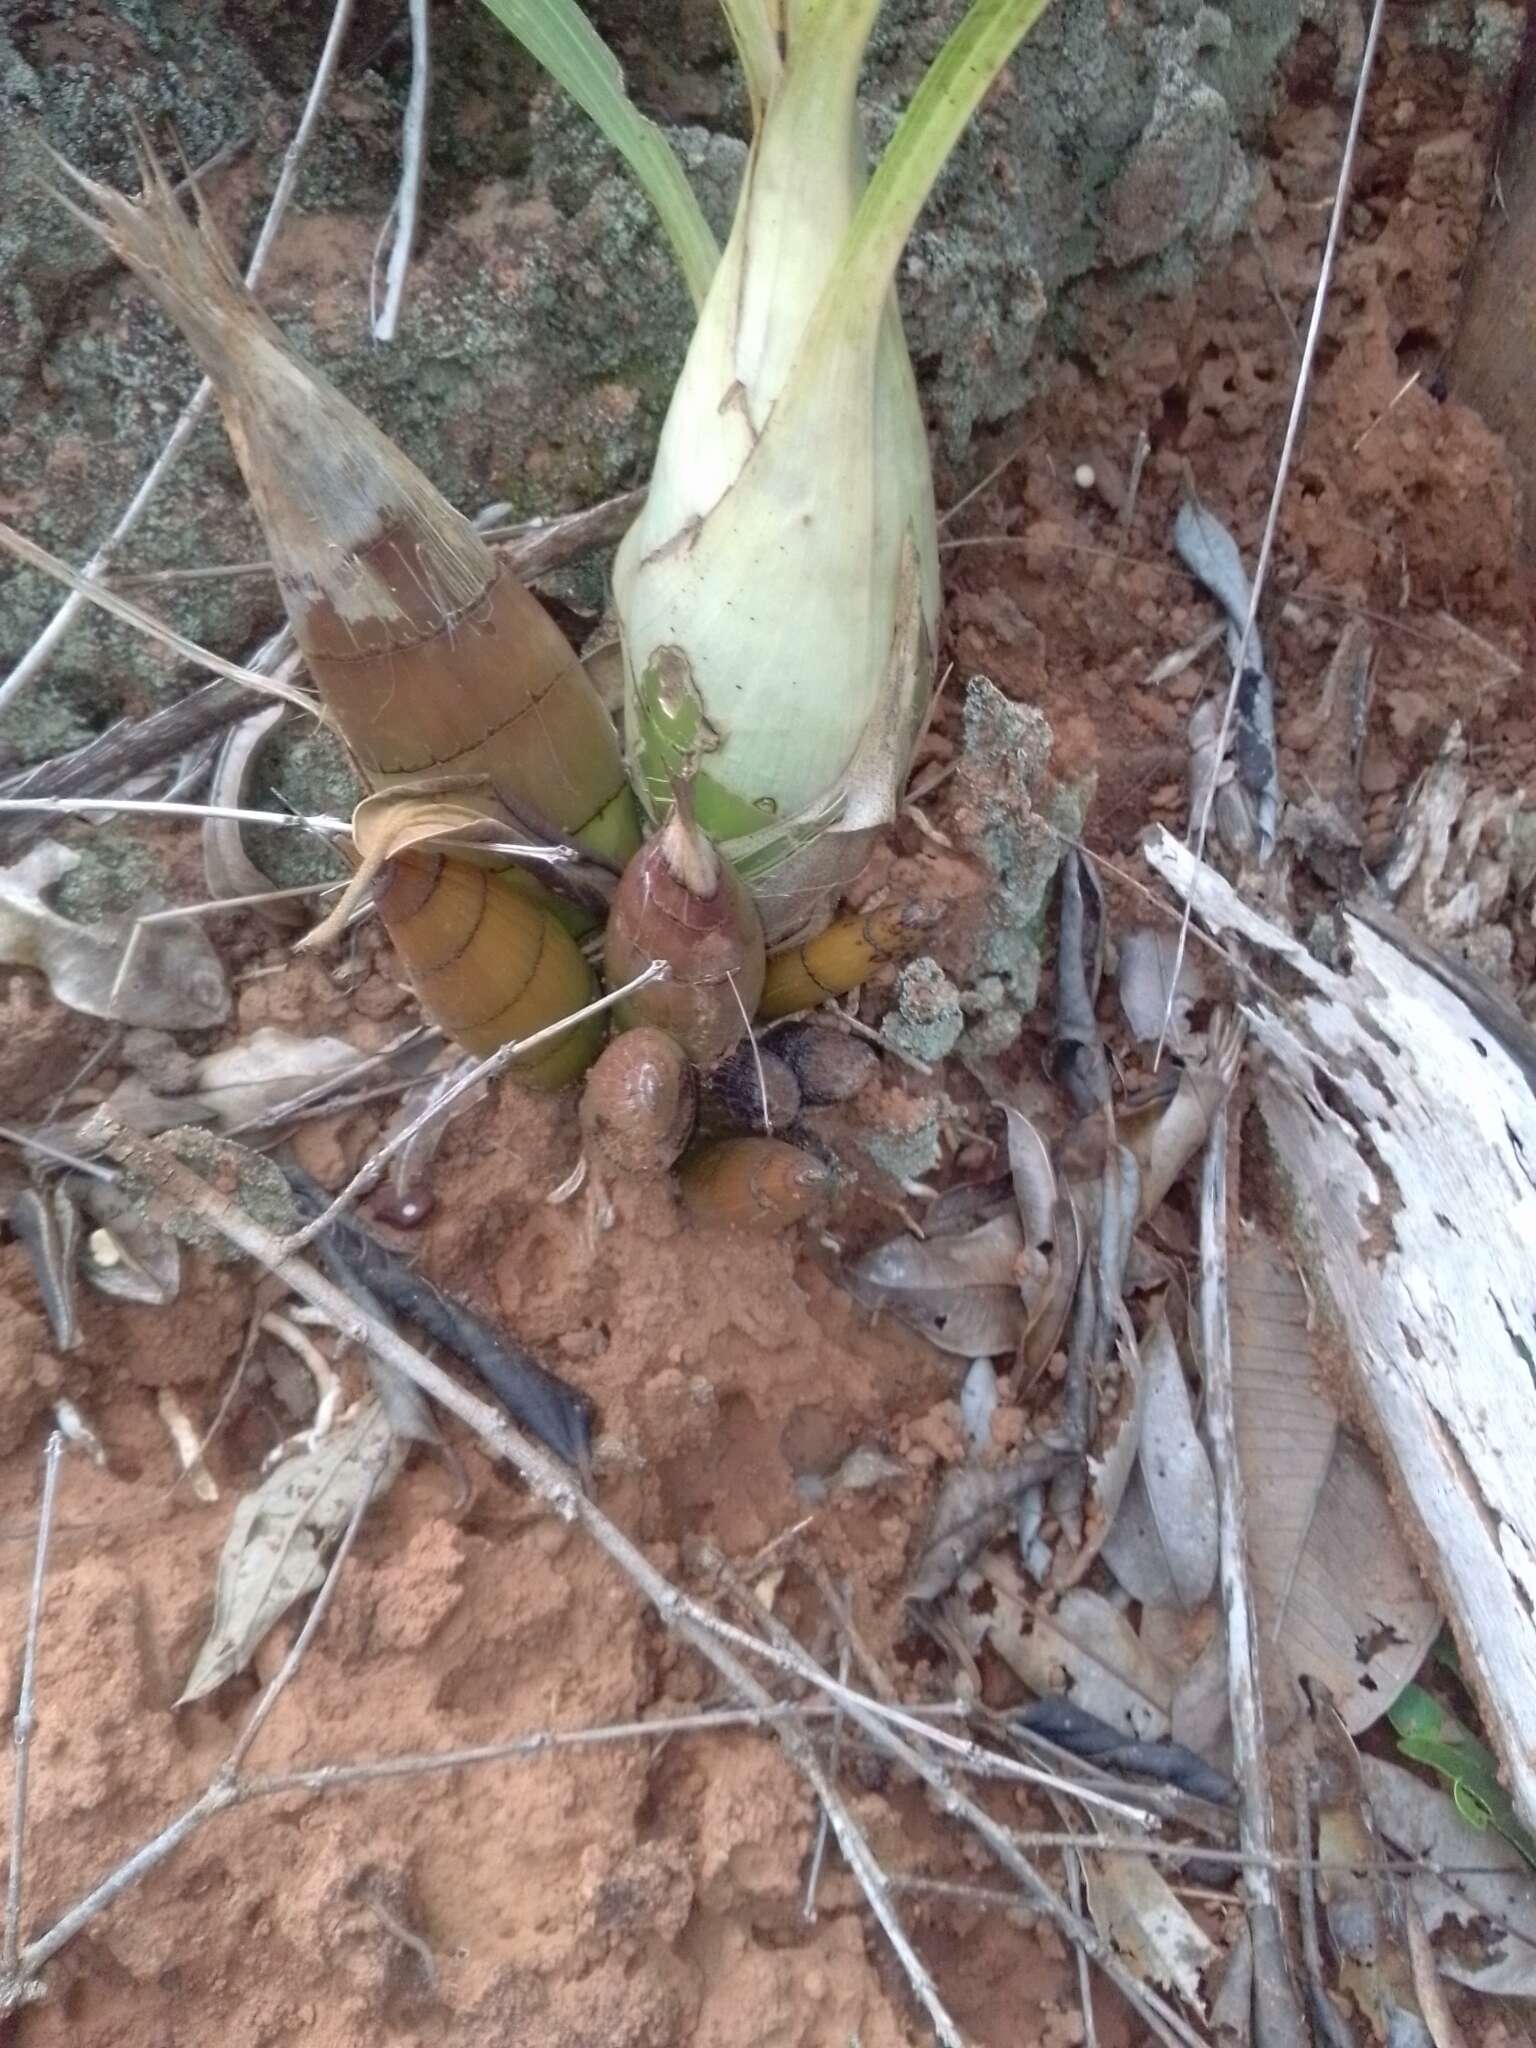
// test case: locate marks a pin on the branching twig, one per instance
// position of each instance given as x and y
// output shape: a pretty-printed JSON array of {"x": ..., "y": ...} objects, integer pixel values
[
  {"x": 26, "y": 1710},
  {"x": 224, "y": 1790},
  {"x": 370, "y": 1172},
  {"x": 1163, "y": 2021},
  {"x": 413, "y": 150},
  {"x": 42, "y": 647},
  {"x": 712, "y": 1637},
  {"x": 1277, "y": 2014},
  {"x": 1282, "y": 475}
]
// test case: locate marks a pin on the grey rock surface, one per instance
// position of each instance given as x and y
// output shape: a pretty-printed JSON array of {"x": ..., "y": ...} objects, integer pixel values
[{"x": 545, "y": 320}]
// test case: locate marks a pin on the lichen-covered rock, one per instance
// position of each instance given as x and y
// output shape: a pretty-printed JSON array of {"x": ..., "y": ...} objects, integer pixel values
[
  {"x": 545, "y": 320},
  {"x": 1020, "y": 819},
  {"x": 926, "y": 1020}
]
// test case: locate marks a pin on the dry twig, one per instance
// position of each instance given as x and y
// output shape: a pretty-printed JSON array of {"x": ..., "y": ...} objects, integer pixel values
[
  {"x": 1278, "y": 2021},
  {"x": 824, "y": 1819},
  {"x": 1282, "y": 475},
  {"x": 26, "y": 1711},
  {"x": 413, "y": 150},
  {"x": 225, "y": 1789},
  {"x": 41, "y": 648},
  {"x": 1330, "y": 2028}
]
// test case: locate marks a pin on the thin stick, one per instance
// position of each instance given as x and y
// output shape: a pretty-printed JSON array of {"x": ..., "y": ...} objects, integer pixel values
[
  {"x": 824, "y": 1820},
  {"x": 1392, "y": 403},
  {"x": 1277, "y": 2011},
  {"x": 546, "y": 1742},
  {"x": 322, "y": 1091},
  {"x": 1282, "y": 476},
  {"x": 210, "y": 572},
  {"x": 223, "y": 1791},
  {"x": 706, "y": 1632},
  {"x": 970, "y": 1894},
  {"x": 124, "y": 608},
  {"x": 1072, "y": 1863},
  {"x": 369, "y": 1173},
  {"x": 991, "y": 477},
  {"x": 530, "y": 545},
  {"x": 26, "y": 1708},
  {"x": 1161, "y": 2017},
  {"x": 27, "y": 1141},
  {"x": 413, "y": 149},
  {"x": 1127, "y": 516},
  {"x": 837, "y": 1603},
  {"x": 179, "y": 912},
  {"x": 1325, "y": 2017},
  {"x": 42, "y": 647},
  {"x": 156, "y": 807}
]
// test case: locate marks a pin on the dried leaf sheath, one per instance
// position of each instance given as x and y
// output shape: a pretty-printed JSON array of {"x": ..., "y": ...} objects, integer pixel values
[
  {"x": 487, "y": 963},
  {"x": 431, "y": 659}
]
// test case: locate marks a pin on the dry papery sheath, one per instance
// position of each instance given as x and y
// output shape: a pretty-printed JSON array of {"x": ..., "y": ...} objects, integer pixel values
[{"x": 431, "y": 659}]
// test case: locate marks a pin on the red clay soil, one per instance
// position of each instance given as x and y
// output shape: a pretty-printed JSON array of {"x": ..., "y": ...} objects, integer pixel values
[{"x": 649, "y": 1896}]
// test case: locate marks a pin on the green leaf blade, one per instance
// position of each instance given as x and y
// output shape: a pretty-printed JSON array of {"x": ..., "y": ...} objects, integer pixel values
[{"x": 558, "y": 35}]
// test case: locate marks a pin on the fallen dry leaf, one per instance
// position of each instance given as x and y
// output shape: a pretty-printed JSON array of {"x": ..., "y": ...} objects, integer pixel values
[
  {"x": 974, "y": 1504},
  {"x": 281, "y": 1535},
  {"x": 1148, "y": 957},
  {"x": 961, "y": 1293},
  {"x": 165, "y": 975},
  {"x": 1137, "y": 1912},
  {"x": 1481, "y": 1910},
  {"x": 1162, "y": 1544},
  {"x": 1085, "y": 1648},
  {"x": 266, "y": 1069},
  {"x": 1337, "y": 1593}
]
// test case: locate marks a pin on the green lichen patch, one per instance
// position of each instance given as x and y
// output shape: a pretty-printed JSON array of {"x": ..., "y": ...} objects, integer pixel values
[{"x": 1023, "y": 820}]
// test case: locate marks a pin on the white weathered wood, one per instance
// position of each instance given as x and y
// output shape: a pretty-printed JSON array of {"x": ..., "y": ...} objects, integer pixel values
[{"x": 1408, "y": 1135}]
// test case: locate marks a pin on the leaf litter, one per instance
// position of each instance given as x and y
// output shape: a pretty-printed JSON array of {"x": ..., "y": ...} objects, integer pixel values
[
  {"x": 167, "y": 975},
  {"x": 1162, "y": 1543},
  {"x": 281, "y": 1535},
  {"x": 1317, "y": 1508},
  {"x": 1446, "y": 887}
]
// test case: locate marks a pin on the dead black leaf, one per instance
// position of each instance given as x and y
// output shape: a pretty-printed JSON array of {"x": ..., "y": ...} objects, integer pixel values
[{"x": 1084, "y": 1735}]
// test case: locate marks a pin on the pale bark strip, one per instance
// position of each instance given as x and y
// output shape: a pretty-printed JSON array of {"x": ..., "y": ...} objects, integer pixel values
[
  {"x": 25, "y": 1723},
  {"x": 1406, "y": 1129},
  {"x": 1277, "y": 2016}
]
